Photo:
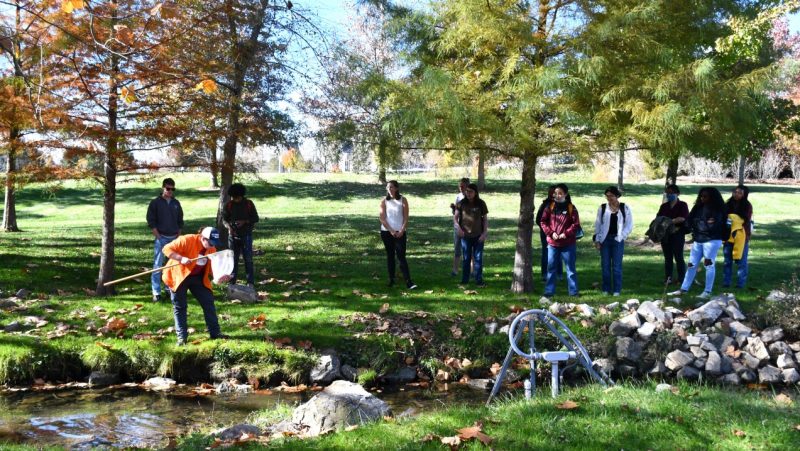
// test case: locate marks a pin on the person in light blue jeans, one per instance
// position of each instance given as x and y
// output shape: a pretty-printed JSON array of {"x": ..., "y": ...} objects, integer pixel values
[
  {"x": 612, "y": 226},
  {"x": 707, "y": 222},
  {"x": 165, "y": 220},
  {"x": 560, "y": 223}
]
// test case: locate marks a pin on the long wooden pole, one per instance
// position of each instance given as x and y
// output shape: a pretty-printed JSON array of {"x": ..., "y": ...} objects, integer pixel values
[{"x": 150, "y": 271}]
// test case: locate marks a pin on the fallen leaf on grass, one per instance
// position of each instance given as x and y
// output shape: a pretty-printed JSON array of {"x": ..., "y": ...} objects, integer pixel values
[
  {"x": 257, "y": 322},
  {"x": 453, "y": 442},
  {"x": 351, "y": 428},
  {"x": 104, "y": 345},
  {"x": 384, "y": 308},
  {"x": 429, "y": 438},
  {"x": 495, "y": 369},
  {"x": 784, "y": 400},
  {"x": 88, "y": 292},
  {"x": 567, "y": 405},
  {"x": 757, "y": 386},
  {"x": 428, "y": 291},
  {"x": 469, "y": 292},
  {"x": 797, "y": 427},
  {"x": 516, "y": 309},
  {"x": 305, "y": 344},
  {"x": 739, "y": 433},
  {"x": 474, "y": 431}
]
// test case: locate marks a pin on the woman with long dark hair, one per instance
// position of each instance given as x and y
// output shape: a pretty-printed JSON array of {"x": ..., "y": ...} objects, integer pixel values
[
  {"x": 672, "y": 243},
  {"x": 740, "y": 215},
  {"x": 543, "y": 236},
  {"x": 560, "y": 222},
  {"x": 707, "y": 222},
  {"x": 394, "y": 220},
  {"x": 472, "y": 225}
]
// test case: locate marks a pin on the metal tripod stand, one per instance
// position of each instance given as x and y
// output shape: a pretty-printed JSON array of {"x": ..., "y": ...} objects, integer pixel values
[{"x": 575, "y": 351}]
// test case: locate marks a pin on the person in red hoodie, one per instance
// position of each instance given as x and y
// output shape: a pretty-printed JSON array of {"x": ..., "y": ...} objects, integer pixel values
[
  {"x": 560, "y": 223},
  {"x": 188, "y": 274}
]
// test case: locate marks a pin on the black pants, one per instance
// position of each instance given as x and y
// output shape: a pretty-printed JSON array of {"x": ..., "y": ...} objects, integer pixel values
[
  {"x": 672, "y": 247},
  {"x": 396, "y": 246}
]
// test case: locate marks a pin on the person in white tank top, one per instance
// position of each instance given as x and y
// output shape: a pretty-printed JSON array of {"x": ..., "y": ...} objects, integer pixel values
[{"x": 394, "y": 220}]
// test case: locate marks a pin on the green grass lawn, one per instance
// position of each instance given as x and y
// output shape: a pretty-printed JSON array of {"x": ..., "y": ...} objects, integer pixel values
[{"x": 322, "y": 261}]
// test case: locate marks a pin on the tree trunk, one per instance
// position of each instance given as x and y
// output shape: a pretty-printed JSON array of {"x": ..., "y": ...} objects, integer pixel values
[
  {"x": 109, "y": 181},
  {"x": 481, "y": 170},
  {"x": 522, "y": 281},
  {"x": 10, "y": 204},
  {"x": 228, "y": 167},
  {"x": 621, "y": 174},
  {"x": 672, "y": 172},
  {"x": 381, "y": 157},
  {"x": 214, "y": 166},
  {"x": 742, "y": 163}
]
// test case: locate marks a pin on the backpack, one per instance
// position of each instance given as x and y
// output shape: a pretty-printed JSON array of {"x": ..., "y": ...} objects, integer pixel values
[
  {"x": 621, "y": 209},
  {"x": 578, "y": 233}
]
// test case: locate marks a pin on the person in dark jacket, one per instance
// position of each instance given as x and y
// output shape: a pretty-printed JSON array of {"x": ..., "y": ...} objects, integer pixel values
[
  {"x": 560, "y": 222},
  {"x": 738, "y": 205},
  {"x": 543, "y": 237},
  {"x": 165, "y": 220},
  {"x": 239, "y": 217},
  {"x": 672, "y": 244},
  {"x": 707, "y": 222},
  {"x": 471, "y": 221}
]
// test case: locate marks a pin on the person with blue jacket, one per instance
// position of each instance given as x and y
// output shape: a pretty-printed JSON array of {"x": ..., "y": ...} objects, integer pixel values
[
  {"x": 612, "y": 226},
  {"x": 707, "y": 221}
]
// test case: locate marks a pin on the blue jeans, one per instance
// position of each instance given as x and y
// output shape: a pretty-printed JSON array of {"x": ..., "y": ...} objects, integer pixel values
[
  {"x": 611, "y": 252},
  {"x": 471, "y": 250},
  {"x": 741, "y": 265},
  {"x": 158, "y": 261},
  {"x": 555, "y": 255},
  {"x": 702, "y": 251},
  {"x": 242, "y": 246},
  {"x": 559, "y": 265},
  {"x": 206, "y": 299}
]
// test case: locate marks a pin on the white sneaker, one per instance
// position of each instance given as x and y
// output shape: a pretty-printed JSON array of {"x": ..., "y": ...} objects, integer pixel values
[
  {"x": 616, "y": 294},
  {"x": 705, "y": 295},
  {"x": 675, "y": 293}
]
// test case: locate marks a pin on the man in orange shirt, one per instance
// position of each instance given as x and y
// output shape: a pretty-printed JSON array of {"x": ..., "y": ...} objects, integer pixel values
[{"x": 189, "y": 274}]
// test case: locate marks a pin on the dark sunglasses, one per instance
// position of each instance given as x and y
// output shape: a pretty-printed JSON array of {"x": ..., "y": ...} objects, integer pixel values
[{"x": 169, "y": 189}]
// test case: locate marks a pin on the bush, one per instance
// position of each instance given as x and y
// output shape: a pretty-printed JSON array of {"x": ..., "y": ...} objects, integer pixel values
[{"x": 784, "y": 313}]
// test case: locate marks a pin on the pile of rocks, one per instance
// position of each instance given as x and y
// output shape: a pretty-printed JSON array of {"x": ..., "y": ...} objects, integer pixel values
[{"x": 710, "y": 342}]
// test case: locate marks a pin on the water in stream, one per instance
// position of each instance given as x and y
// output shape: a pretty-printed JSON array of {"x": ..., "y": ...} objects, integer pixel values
[{"x": 134, "y": 418}]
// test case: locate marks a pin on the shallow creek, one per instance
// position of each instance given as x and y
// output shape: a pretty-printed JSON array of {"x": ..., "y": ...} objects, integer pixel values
[{"x": 121, "y": 417}]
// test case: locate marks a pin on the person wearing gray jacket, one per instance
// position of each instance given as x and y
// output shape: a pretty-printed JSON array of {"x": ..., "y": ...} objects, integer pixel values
[
  {"x": 612, "y": 226},
  {"x": 165, "y": 220}
]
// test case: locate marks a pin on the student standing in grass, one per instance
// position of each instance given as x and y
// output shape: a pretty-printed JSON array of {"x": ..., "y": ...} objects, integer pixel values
[
  {"x": 394, "y": 221},
  {"x": 736, "y": 249},
  {"x": 165, "y": 219},
  {"x": 672, "y": 243},
  {"x": 560, "y": 222},
  {"x": 543, "y": 236},
  {"x": 472, "y": 225},
  {"x": 707, "y": 222},
  {"x": 192, "y": 275},
  {"x": 239, "y": 217},
  {"x": 462, "y": 188},
  {"x": 612, "y": 226}
]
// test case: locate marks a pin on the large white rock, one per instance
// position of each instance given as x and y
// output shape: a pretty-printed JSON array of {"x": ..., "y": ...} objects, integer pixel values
[
  {"x": 651, "y": 313},
  {"x": 706, "y": 314},
  {"x": 341, "y": 404},
  {"x": 678, "y": 359},
  {"x": 756, "y": 347}
]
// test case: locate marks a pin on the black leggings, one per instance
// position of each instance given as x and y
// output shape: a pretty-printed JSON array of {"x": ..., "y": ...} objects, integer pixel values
[
  {"x": 396, "y": 246},
  {"x": 672, "y": 247}
]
